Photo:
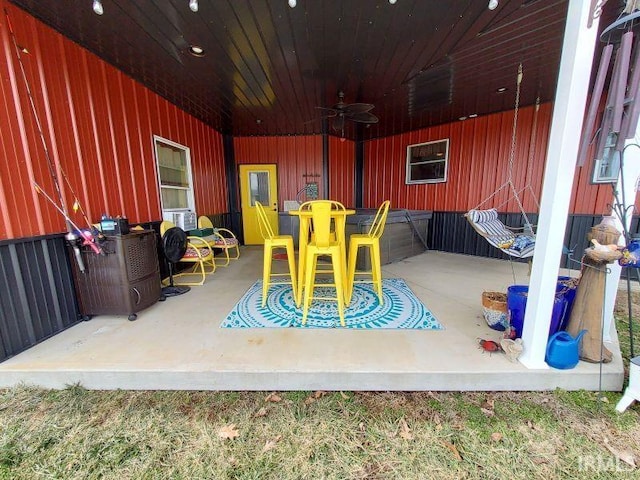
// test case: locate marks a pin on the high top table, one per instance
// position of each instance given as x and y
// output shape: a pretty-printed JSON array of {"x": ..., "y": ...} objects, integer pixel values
[{"x": 339, "y": 217}]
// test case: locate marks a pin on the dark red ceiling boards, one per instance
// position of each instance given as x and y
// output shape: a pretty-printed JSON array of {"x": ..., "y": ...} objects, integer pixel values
[{"x": 267, "y": 66}]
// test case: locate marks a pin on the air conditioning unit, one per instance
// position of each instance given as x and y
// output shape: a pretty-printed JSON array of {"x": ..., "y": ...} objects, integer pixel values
[{"x": 184, "y": 219}]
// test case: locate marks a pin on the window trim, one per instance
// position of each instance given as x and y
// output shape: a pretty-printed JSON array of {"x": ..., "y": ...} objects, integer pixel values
[
  {"x": 408, "y": 163},
  {"x": 190, "y": 189}
]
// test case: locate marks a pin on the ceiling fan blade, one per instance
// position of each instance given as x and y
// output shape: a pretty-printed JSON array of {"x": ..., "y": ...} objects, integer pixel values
[
  {"x": 363, "y": 117},
  {"x": 327, "y": 112},
  {"x": 357, "y": 107}
]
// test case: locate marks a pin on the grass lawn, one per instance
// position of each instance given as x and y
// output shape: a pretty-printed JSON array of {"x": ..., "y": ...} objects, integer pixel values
[{"x": 80, "y": 434}]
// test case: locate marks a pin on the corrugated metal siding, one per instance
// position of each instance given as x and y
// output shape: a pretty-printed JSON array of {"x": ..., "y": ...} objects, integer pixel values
[
  {"x": 479, "y": 152},
  {"x": 98, "y": 125},
  {"x": 342, "y": 171},
  {"x": 295, "y": 157},
  {"x": 37, "y": 298}
]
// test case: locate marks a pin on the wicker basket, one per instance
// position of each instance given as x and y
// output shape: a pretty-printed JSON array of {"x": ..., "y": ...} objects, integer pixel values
[{"x": 494, "y": 310}]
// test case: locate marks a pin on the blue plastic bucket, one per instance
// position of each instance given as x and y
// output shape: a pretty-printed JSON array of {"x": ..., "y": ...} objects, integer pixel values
[
  {"x": 517, "y": 303},
  {"x": 567, "y": 288}
]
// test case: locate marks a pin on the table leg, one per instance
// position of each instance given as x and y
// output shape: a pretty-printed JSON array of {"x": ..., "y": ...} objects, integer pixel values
[{"x": 340, "y": 232}]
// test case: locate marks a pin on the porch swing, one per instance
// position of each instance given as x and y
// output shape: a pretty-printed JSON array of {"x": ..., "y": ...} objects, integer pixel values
[{"x": 515, "y": 242}]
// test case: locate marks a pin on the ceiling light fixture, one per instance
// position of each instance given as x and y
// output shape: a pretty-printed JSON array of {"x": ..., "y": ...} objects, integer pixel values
[
  {"x": 193, "y": 5},
  {"x": 501, "y": 90},
  {"x": 97, "y": 7},
  {"x": 473, "y": 115},
  {"x": 493, "y": 4},
  {"x": 293, "y": 3},
  {"x": 196, "y": 51},
  {"x": 393, "y": 2}
]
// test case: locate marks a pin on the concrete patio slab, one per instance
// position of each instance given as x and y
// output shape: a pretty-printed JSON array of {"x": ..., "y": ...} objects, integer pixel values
[{"x": 178, "y": 344}]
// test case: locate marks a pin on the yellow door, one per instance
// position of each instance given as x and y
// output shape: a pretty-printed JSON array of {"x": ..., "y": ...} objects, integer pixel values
[{"x": 258, "y": 183}]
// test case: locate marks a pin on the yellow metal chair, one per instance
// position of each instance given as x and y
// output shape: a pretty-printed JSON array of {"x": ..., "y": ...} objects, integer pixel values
[
  {"x": 225, "y": 242},
  {"x": 198, "y": 253},
  {"x": 323, "y": 243},
  {"x": 271, "y": 242},
  {"x": 371, "y": 239},
  {"x": 333, "y": 235}
]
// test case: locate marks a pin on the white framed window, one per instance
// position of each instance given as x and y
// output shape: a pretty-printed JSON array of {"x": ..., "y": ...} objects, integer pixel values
[
  {"x": 607, "y": 168},
  {"x": 427, "y": 162},
  {"x": 174, "y": 175}
]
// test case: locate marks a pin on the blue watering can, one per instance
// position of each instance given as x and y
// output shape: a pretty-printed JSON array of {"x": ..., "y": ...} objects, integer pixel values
[{"x": 563, "y": 350}]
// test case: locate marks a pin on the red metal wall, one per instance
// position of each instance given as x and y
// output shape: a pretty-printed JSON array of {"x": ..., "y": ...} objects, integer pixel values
[
  {"x": 479, "y": 151},
  {"x": 295, "y": 157},
  {"x": 342, "y": 171},
  {"x": 98, "y": 126}
]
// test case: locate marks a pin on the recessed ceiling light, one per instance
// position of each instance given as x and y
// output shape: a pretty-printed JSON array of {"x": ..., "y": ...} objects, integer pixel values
[
  {"x": 473, "y": 115},
  {"x": 501, "y": 89},
  {"x": 196, "y": 51},
  {"x": 462, "y": 118},
  {"x": 97, "y": 7}
]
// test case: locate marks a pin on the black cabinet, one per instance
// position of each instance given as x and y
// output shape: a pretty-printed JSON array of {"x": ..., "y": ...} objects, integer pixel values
[{"x": 123, "y": 281}]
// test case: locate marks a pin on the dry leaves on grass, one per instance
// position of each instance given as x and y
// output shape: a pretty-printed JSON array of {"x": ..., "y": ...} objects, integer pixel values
[
  {"x": 314, "y": 396},
  {"x": 271, "y": 444},
  {"x": 453, "y": 449},
  {"x": 496, "y": 436},
  {"x": 262, "y": 412},
  {"x": 488, "y": 407},
  {"x": 405, "y": 431},
  {"x": 228, "y": 432},
  {"x": 273, "y": 397}
]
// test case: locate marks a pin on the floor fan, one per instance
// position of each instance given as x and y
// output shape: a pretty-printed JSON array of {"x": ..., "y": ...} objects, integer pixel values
[{"x": 174, "y": 244}]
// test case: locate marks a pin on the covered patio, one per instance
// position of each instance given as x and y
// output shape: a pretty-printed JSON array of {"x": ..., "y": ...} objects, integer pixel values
[{"x": 179, "y": 345}]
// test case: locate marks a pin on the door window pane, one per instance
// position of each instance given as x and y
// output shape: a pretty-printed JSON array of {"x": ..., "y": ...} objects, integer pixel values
[{"x": 259, "y": 185}]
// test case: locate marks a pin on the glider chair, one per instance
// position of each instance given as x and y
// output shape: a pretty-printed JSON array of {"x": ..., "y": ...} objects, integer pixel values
[
  {"x": 220, "y": 238},
  {"x": 487, "y": 224},
  {"x": 324, "y": 243},
  {"x": 371, "y": 240},
  {"x": 271, "y": 242},
  {"x": 198, "y": 253}
]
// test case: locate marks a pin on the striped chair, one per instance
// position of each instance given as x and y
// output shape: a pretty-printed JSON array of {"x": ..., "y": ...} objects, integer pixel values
[{"x": 486, "y": 223}]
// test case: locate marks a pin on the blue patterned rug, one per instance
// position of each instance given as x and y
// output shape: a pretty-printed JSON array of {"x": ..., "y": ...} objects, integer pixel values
[{"x": 400, "y": 309}]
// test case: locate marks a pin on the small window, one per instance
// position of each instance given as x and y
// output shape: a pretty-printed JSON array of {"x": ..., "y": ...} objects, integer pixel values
[
  {"x": 427, "y": 162},
  {"x": 607, "y": 168},
  {"x": 174, "y": 175}
]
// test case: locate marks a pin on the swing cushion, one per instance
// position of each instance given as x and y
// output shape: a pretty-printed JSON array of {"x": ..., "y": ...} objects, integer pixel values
[{"x": 486, "y": 223}]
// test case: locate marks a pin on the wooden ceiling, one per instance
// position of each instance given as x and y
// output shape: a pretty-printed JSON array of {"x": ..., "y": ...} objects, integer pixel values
[{"x": 267, "y": 66}]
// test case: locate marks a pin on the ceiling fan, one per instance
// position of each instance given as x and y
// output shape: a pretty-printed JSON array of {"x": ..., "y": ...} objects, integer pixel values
[{"x": 355, "y": 112}]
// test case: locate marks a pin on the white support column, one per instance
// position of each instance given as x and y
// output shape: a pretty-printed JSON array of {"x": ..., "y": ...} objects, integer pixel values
[
  {"x": 631, "y": 163},
  {"x": 566, "y": 125}
]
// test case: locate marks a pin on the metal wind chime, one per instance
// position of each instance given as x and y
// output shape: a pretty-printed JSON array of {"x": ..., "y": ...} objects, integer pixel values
[{"x": 619, "y": 119}]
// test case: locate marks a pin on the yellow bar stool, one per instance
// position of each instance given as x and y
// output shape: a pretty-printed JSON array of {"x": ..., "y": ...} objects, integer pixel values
[
  {"x": 371, "y": 240},
  {"x": 323, "y": 243},
  {"x": 272, "y": 242}
]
